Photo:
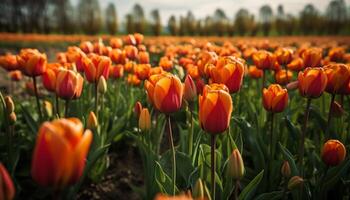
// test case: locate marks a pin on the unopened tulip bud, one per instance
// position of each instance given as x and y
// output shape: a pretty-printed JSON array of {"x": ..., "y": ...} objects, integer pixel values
[
  {"x": 337, "y": 109},
  {"x": 10, "y": 106},
  {"x": 199, "y": 190},
  {"x": 102, "y": 85},
  {"x": 333, "y": 153},
  {"x": 295, "y": 182},
  {"x": 48, "y": 108},
  {"x": 144, "y": 120},
  {"x": 12, "y": 118},
  {"x": 7, "y": 189},
  {"x": 285, "y": 170},
  {"x": 235, "y": 165},
  {"x": 292, "y": 85},
  {"x": 92, "y": 122},
  {"x": 190, "y": 90},
  {"x": 137, "y": 109}
]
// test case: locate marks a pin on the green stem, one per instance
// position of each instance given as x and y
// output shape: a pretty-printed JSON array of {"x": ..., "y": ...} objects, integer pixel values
[
  {"x": 66, "y": 110},
  {"x": 57, "y": 106},
  {"x": 263, "y": 80},
  {"x": 271, "y": 136},
  {"x": 236, "y": 189},
  {"x": 328, "y": 135},
  {"x": 190, "y": 135},
  {"x": 303, "y": 130},
  {"x": 213, "y": 165},
  {"x": 171, "y": 141},
  {"x": 321, "y": 191},
  {"x": 285, "y": 189},
  {"x": 96, "y": 100},
  {"x": 37, "y": 98}
]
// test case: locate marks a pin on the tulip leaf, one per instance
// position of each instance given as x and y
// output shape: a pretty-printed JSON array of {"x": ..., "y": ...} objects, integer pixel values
[
  {"x": 294, "y": 132},
  {"x": 288, "y": 156},
  {"x": 163, "y": 180},
  {"x": 270, "y": 196},
  {"x": 335, "y": 174},
  {"x": 249, "y": 191},
  {"x": 29, "y": 119}
]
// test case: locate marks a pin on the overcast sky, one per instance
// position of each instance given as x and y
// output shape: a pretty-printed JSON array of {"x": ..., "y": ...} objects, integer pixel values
[{"x": 202, "y": 8}]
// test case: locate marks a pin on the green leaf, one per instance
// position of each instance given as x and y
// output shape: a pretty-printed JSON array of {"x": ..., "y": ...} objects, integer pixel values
[
  {"x": 163, "y": 180},
  {"x": 288, "y": 156},
  {"x": 335, "y": 174},
  {"x": 30, "y": 120},
  {"x": 270, "y": 196},
  {"x": 294, "y": 132},
  {"x": 249, "y": 191}
]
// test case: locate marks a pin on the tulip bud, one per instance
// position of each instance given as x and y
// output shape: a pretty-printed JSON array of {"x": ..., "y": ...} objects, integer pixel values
[
  {"x": 292, "y": 85},
  {"x": 12, "y": 118},
  {"x": 312, "y": 82},
  {"x": 92, "y": 122},
  {"x": 285, "y": 170},
  {"x": 199, "y": 190},
  {"x": 275, "y": 98},
  {"x": 190, "y": 90},
  {"x": 235, "y": 165},
  {"x": 137, "y": 109},
  {"x": 337, "y": 109},
  {"x": 48, "y": 108},
  {"x": 10, "y": 106},
  {"x": 144, "y": 120},
  {"x": 102, "y": 85},
  {"x": 7, "y": 189},
  {"x": 333, "y": 153},
  {"x": 295, "y": 182}
]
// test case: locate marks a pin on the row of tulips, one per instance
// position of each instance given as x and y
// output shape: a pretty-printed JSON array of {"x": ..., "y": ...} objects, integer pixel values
[{"x": 220, "y": 95}]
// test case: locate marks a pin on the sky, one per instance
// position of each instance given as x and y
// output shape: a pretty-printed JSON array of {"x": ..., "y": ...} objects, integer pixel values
[{"x": 202, "y": 8}]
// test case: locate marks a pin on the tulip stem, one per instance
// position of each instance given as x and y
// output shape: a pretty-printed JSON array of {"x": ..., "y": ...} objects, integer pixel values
[
  {"x": 321, "y": 191},
  {"x": 236, "y": 189},
  {"x": 213, "y": 142},
  {"x": 329, "y": 117},
  {"x": 302, "y": 140},
  {"x": 171, "y": 141},
  {"x": 190, "y": 135},
  {"x": 263, "y": 80},
  {"x": 271, "y": 137},
  {"x": 37, "y": 98},
  {"x": 96, "y": 101},
  {"x": 66, "y": 110},
  {"x": 57, "y": 106}
]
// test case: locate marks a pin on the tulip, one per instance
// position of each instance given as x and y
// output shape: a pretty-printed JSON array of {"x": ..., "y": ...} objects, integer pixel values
[
  {"x": 133, "y": 80},
  {"x": 99, "y": 47},
  {"x": 338, "y": 77},
  {"x": 116, "y": 43},
  {"x": 96, "y": 66},
  {"x": 69, "y": 84},
  {"x": 139, "y": 38},
  {"x": 215, "y": 108},
  {"x": 235, "y": 165},
  {"x": 48, "y": 110},
  {"x": 193, "y": 71},
  {"x": 76, "y": 55},
  {"x": 60, "y": 153},
  {"x": 166, "y": 63},
  {"x": 143, "y": 57},
  {"x": 32, "y": 62},
  {"x": 336, "y": 54},
  {"x": 312, "y": 57},
  {"x": 206, "y": 58},
  {"x": 264, "y": 60},
  {"x": 229, "y": 71},
  {"x": 283, "y": 77},
  {"x": 15, "y": 75},
  {"x": 118, "y": 56},
  {"x": 296, "y": 65},
  {"x": 7, "y": 189},
  {"x": 333, "y": 153},
  {"x": 131, "y": 52},
  {"x": 92, "y": 122},
  {"x": 312, "y": 82},
  {"x": 284, "y": 55},
  {"x": 142, "y": 71},
  {"x": 102, "y": 85},
  {"x": 61, "y": 58},
  {"x": 254, "y": 72},
  {"x": 50, "y": 76},
  {"x": 9, "y": 62},
  {"x": 137, "y": 109},
  {"x": 275, "y": 98},
  {"x": 130, "y": 40},
  {"x": 10, "y": 106},
  {"x": 129, "y": 66},
  {"x": 177, "y": 197},
  {"x": 295, "y": 182},
  {"x": 87, "y": 47},
  {"x": 156, "y": 70},
  {"x": 144, "y": 120},
  {"x": 117, "y": 71},
  {"x": 190, "y": 90},
  {"x": 285, "y": 169}
]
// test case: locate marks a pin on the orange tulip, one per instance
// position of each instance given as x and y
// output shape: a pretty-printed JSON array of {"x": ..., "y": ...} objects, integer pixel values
[
  {"x": 229, "y": 71},
  {"x": 129, "y": 66},
  {"x": 165, "y": 91},
  {"x": 118, "y": 56},
  {"x": 264, "y": 60},
  {"x": 60, "y": 152},
  {"x": 336, "y": 54},
  {"x": 333, "y": 153},
  {"x": 282, "y": 77},
  {"x": 178, "y": 197},
  {"x": 130, "y": 40},
  {"x": 69, "y": 84},
  {"x": 165, "y": 63},
  {"x": 116, "y": 43},
  {"x": 143, "y": 57},
  {"x": 9, "y": 62},
  {"x": 338, "y": 76},
  {"x": 32, "y": 62},
  {"x": 7, "y": 189},
  {"x": 15, "y": 75},
  {"x": 312, "y": 57},
  {"x": 312, "y": 82},
  {"x": 87, "y": 47},
  {"x": 144, "y": 120},
  {"x": 215, "y": 108},
  {"x": 156, "y": 70},
  {"x": 76, "y": 55},
  {"x": 275, "y": 98},
  {"x": 50, "y": 76},
  {"x": 133, "y": 80},
  {"x": 99, "y": 47},
  {"x": 137, "y": 109},
  {"x": 117, "y": 71},
  {"x": 296, "y": 65},
  {"x": 139, "y": 38},
  {"x": 254, "y": 72},
  {"x": 142, "y": 71},
  {"x": 96, "y": 66},
  {"x": 131, "y": 52},
  {"x": 190, "y": 90},
  {"x": 61, "y": 57},
  {"x": 206, "y": 58},
  {"x": 284, "y": 55}
]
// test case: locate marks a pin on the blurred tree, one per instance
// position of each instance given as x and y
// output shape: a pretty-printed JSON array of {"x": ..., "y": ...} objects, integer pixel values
[
  {"x": 253, "y": 26},
  {"x": 309, "y": 19},
  {"x": 242, "y": 21},
  {"x": 172, "y": 26},
  {"x": 199, "y": 27},
  {"x": 111, "y": 19},
  {"x": 290, "y": 24},
  {"x": 280, "y": 20},
  {"x": 156, "y": 22},
  {"x": 183, "y": 26},
  {"x": 139, "y": 19},
  {"x": 208, "y": 26},
  {"x": 220, "y": 22},
  {"x": 90, "y": 16},
  {"x": 265, "y": 13},
  {"x": 65, "y": 13},
  {"x": 336, "y": 16},
  {"x": 129, "y": 24},
  {"x": 190, "y": 22}
]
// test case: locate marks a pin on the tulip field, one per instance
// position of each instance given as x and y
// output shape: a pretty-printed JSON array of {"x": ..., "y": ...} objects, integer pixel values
[{"x": 138, "y": 117}]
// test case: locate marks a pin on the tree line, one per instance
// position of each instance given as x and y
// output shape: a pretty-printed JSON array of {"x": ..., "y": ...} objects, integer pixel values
[{"x": 60, "y": 16}]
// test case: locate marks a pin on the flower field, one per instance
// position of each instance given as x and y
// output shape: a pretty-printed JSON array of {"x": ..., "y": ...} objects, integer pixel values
[{"x": 184, "y": 117}]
